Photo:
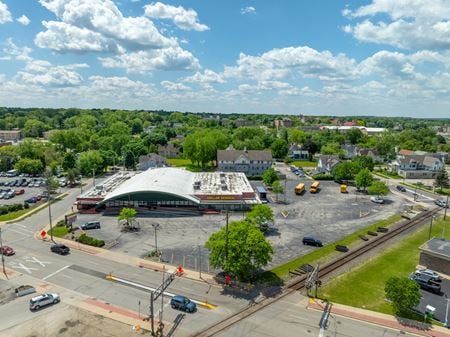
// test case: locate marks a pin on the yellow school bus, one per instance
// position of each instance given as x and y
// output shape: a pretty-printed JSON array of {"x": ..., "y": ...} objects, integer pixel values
[
  {"x": 299, "y": 188},
  {"x": 314, "y": 187}
]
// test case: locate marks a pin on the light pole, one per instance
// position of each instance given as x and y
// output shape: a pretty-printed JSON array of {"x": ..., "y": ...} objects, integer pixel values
[
  {"x": 156, "y": 226},
  {"x": 93, "y": 177},
  {"x": 445, "y": 209},
  {"x": 446, "y": 312},
  {"x": 431, "y": 226},
  {"x": 3, "y": 257}
]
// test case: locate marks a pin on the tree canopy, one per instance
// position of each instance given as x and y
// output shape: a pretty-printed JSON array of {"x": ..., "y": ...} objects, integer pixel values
[{"x": 403, "y": 293}]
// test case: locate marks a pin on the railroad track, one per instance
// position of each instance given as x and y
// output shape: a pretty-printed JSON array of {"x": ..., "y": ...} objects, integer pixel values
[{"x": 325, "y": 270}]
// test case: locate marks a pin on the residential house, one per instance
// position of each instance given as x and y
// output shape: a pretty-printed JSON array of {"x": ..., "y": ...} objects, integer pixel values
[
  {"x": 11, "y": 135},
  {"x": 350, "y": 150},
  {"x": 326, "y": 163},
  {"x": 297, "y": 152},
  {"x": 151, "y": 160},
  {"x": 416, "y": 166},
  {"x": 250, "y": 162},
  {"x": 372, "y": 153},
  {"x": 168, "y": 151}
]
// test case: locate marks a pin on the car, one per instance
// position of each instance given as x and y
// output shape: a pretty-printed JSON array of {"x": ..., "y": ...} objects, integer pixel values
[
  {"x": 311, "y": 241},
  {"x": 377, "y": 200},
  {"x": 401, "y": 188},
  {"x": 426, "y": 283},
  {"x": 31, "y": 200},
  {"x": 43, "y": 300},
  {"x": 18, "y": 192},
  {"x": 60, "y": 249},
  {"x": 7, "y": 251},
  {"x": 9, "y": 195},
  {"x": 182, "y": 303},
  {"x": 429, "y": 273},
  {"x": 441, "y": 203},
  {"x": 91, "y": 225}
]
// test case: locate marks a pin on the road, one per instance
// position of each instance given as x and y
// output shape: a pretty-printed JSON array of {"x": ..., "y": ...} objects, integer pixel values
[{"x": 84, "y": 274}]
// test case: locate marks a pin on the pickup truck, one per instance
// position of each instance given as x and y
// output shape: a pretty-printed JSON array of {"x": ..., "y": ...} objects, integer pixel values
[{"x": 427, "y": 283}]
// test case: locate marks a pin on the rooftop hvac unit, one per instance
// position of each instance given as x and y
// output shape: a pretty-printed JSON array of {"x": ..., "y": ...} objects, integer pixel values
[
  {"x": 222, "y": 174},
  {"x": 224, "y": 187}
]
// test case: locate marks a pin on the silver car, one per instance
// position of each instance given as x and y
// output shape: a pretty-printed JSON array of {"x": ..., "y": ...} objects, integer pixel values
[{"x": 43, "y": 300}]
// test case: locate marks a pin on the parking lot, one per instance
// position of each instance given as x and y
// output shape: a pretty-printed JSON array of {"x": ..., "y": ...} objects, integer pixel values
[
  {"x": 14, "y": 190},
  {"x": 328, "y": 215}
]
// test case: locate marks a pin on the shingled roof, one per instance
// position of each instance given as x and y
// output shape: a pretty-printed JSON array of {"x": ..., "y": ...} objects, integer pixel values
[{"x": 232, "y": 155}]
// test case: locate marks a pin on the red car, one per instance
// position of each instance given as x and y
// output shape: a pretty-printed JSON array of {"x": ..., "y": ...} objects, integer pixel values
[
  {"x": 6, "y": 250},
  {"x": 18, "y": 192}
]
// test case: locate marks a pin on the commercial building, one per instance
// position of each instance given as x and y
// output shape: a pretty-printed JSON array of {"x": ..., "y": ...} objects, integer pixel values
[
  {"x": 435, "y": 255},
  {"x": 11, "y": 135},
  {"x": 171, "y": 188},
  {"x": 251, "y": 162}
]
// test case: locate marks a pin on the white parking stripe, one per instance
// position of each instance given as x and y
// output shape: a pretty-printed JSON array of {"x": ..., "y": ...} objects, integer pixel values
[
  {"x": 56, "y": 272},
  {"x": 15, "y": 231},
  {"x": 22, "y": 226}
]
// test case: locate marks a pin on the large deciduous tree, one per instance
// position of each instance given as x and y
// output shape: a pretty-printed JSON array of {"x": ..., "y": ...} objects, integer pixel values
[
  {"x": 247, "y": 249},
  {"x": 32, "y": 166},
  {"x": 260, "y": 215},
  {"x": 90, "y": 161},
  {"x": 403, "y": 293},
  {"x": 378, "y": 188},
  {"x": 279, "y": 148},
  {"x": 269, "y": 176},
  {"x": 364, "y": 179},
  {"x": 344, "y": 171},
  {"x": 442, "y": 180}
]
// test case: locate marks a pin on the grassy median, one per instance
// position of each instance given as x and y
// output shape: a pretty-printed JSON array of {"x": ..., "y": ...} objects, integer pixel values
[{"x": 363, "y": 287}]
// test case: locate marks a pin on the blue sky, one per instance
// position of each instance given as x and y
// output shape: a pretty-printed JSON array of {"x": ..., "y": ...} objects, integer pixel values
[{"x": 371, "y": 57}]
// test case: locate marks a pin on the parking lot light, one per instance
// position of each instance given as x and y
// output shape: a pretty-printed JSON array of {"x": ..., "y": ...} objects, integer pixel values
[{"x": 156, "y": 226}]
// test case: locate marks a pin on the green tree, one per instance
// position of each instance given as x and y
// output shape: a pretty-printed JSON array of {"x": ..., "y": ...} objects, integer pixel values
[
  {"x": 90, "y": 161},
  {"x": 69, "y": 161},
  {"x": 296, "y": 136},
  {"x": 332, "y": 148},
  {"x": 364, "y": 162},
  {"x": 277, "y": 188},
  {"x": 127, "y": 214},
  {"x": 279, "y": 148},
  {"x": 442, "y": 180},
  {"x": 269, "y": 176},
  {"x": 50, "y": 182},
  {"x": 354, "y": 135},
  {"x": 378, "y": 188},
  {"x": 403, "y": 293},
  {"x": 25, "y": 165},
  {"x": 34, "y": 128},
  {"x": 260, "y": 215},
  {"x": 364, "y": 179},
  {"x": 72, "y": 176},
  {"x": 248, "y": 250},
  {"x": 343, "y": 171}
]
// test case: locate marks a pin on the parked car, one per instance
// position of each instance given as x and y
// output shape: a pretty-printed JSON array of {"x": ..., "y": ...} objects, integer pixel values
[
  {"x": 91, "y": 225},
  {"x": 43, "y": 300},
  {"x": 183, "y": 303},
  {"x": 31, "y": 200},
  {"x": 401, "y": 188},
  {"x": 9, "y": 195},
  {"x": 428, "y": 273},
  {"x": 19, "y": 192},
  {"x": 377, "y": 200},
  {"x": 427, "y": 283},
  {"x": 7, "y": 251},
  {"x": 311, "y": 241},
  {"x": 60, "y": 249},
  {"x": 441, "y": 203}
]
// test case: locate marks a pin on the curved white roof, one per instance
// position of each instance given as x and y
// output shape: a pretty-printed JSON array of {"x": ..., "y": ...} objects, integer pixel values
[{"x": 165, "y": 180}]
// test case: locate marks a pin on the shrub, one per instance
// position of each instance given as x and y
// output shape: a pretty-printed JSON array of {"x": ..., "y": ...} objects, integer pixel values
[
  {"x": 60, "y": 223},
  {"x": 3, "y": 210},
  {"x": 323, "y": 176},
  {"x": 26, "y": 205},
  {"x": 88, "y": 240}
]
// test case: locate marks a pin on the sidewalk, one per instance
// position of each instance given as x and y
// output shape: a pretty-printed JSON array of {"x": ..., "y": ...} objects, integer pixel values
[{"x": 377, "y": 318}]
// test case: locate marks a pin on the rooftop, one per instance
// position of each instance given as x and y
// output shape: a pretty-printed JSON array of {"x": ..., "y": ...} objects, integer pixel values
[{"x": 437, "y": 246}]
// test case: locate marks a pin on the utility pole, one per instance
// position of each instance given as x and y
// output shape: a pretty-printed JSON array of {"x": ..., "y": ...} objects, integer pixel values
[
  {"x": 200, "y": 261},
  {"x": 431, "y": 226},
  {"x": 93, "y": 177},
  {"x": 49, "y": 201},
  {"x": 154, "y": 295},
  {"x": 445, "y": 209},
  {"x": 3, "y": 257},
  {"x": 446, "y": 312},
  {"x": 156, "y": 227},
  {"x": 226, "y": 243}
]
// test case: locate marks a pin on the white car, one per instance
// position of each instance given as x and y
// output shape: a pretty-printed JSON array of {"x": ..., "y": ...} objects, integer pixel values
[
  {"x": 430, "y": 273},
  {"x": 377, "y": 200},
  {"x": 43, "y": 300}
]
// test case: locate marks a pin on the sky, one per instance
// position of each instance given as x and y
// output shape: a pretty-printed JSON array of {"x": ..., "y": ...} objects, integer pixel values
[{"x": 321, "y": 57}]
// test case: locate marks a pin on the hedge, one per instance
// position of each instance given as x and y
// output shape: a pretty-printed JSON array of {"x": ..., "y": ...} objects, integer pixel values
[
  {"x": 88, "y": 240},
  {"x": 323, "y": 176},
  {"x": 10, "y": 208}
]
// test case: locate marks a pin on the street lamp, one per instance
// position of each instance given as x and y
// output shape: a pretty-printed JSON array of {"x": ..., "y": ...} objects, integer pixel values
[
  {"x": 431, "y": 226},
  {"x": 49, "y": 201},
  {"x": 156, "y": 226},
  {"x": 446, "y": 312},
  {"x": 93, "y": 177}
]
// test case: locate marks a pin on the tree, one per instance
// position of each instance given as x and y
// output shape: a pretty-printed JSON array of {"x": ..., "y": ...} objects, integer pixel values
[
  {"x": 279, "y": 148},
  {"x": 248, "y": 250},
  {"x": 89, "y": 161},
  {"x": 354, "y": 135},
  {"x": 269, "y": 176},
  {"x": 311, "y": 147},
  {"x": 127, "y": 214},
  {"x": 277, "y": 188},
  {"x": 378, "y": 188},
  {"x": 69, "y": 161},
  {"x": 364, "y": 179},
  {"x": 364, "y": 162},
  {"x": 442, "y": 180},
  {"x": 72, "y": 176},
  {"x": 343, "y": 171},
  {"x": 296, "y": 136},
  {"x": 260, "y": 215},
  {"x": 33, "y": 166},
  {"x": 403, "y": 293}
]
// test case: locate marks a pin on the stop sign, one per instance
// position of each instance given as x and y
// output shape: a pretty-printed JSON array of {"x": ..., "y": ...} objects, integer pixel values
[{"x": 43, "y": 233}]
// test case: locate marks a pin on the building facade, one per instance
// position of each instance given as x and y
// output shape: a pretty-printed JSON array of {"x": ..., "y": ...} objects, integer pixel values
[{"x": 250, "y": 162}]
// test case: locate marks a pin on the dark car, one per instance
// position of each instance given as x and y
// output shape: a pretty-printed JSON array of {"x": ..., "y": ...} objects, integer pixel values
[
  {"x": 401, "y": 188},
  {"x": 31, "y": 200},
  {"x": 427, "y": 283},
  {"x": 441, "y": 203},
  {"x": 60, "y": 249},
  {"x": 183, "y": 303},
  {"x": 91, "y": 225},
  {"x": 310, "y": 241},
  {"x": 6, "y": 250}
]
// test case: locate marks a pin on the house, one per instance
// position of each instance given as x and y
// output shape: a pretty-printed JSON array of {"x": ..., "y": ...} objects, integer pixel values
[
  {"x": 240, "y": 122},
  {"x": 344, "y": 129},
  {"x": 168, "y": 151},
  {"x": 372, "y": 153},
  {"x": 297, "y": 152},
  {"x": 250, "y": 162},
  {"x": 350, "y": 150},
  {"x": 326, "y": 163},
  {"x": 11, "y": 135},
  {"x": 151, "y": 160},
  {"x": 282, "y": 123},
  {"x": 416, "y": 166}
]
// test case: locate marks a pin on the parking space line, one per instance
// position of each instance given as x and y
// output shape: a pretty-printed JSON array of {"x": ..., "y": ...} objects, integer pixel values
[
  {"x": 56, "y": 272},
  {"x": 16, "y": 231}
]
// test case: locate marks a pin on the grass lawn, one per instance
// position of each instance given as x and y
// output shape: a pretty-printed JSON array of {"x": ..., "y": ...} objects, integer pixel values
[
  {"x": 387, "y": 174},
  {"x": 363, "y": 287},
  {"x": 16, "y": 214},
  {"x": 304, "y": 163},
  {"x": 178, "y": 162},
  {"x": 328, "y": 252},
  {"x": 60, "y": 231}
]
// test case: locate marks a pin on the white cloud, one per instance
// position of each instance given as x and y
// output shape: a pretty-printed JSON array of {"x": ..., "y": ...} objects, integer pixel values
[
  {"x": 412, "y": 24},
  {"x": 206, "y": 78},
  {"x": 173, "y": 58},
  {"x": 99, "y": 26},
  {"x": 12, "y": 51},
  {"x": 24, "y": 20},
  {"x": 248, "y": 10},
  {"x": 5, "y": 14},
  {"x": 185, "y": 19},
  {"x": 171, "y": 86}
]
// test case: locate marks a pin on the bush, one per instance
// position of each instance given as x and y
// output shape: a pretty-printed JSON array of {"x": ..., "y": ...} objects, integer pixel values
[
  {"x": 323, "y": 176},
  {"x": 88, "y": 240},
  {"x": 26, "y": 205},
  {"x": 60, "y": 223},
  {"x": 3, "y": 210},
  {"x": 14, "y": 207}
]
